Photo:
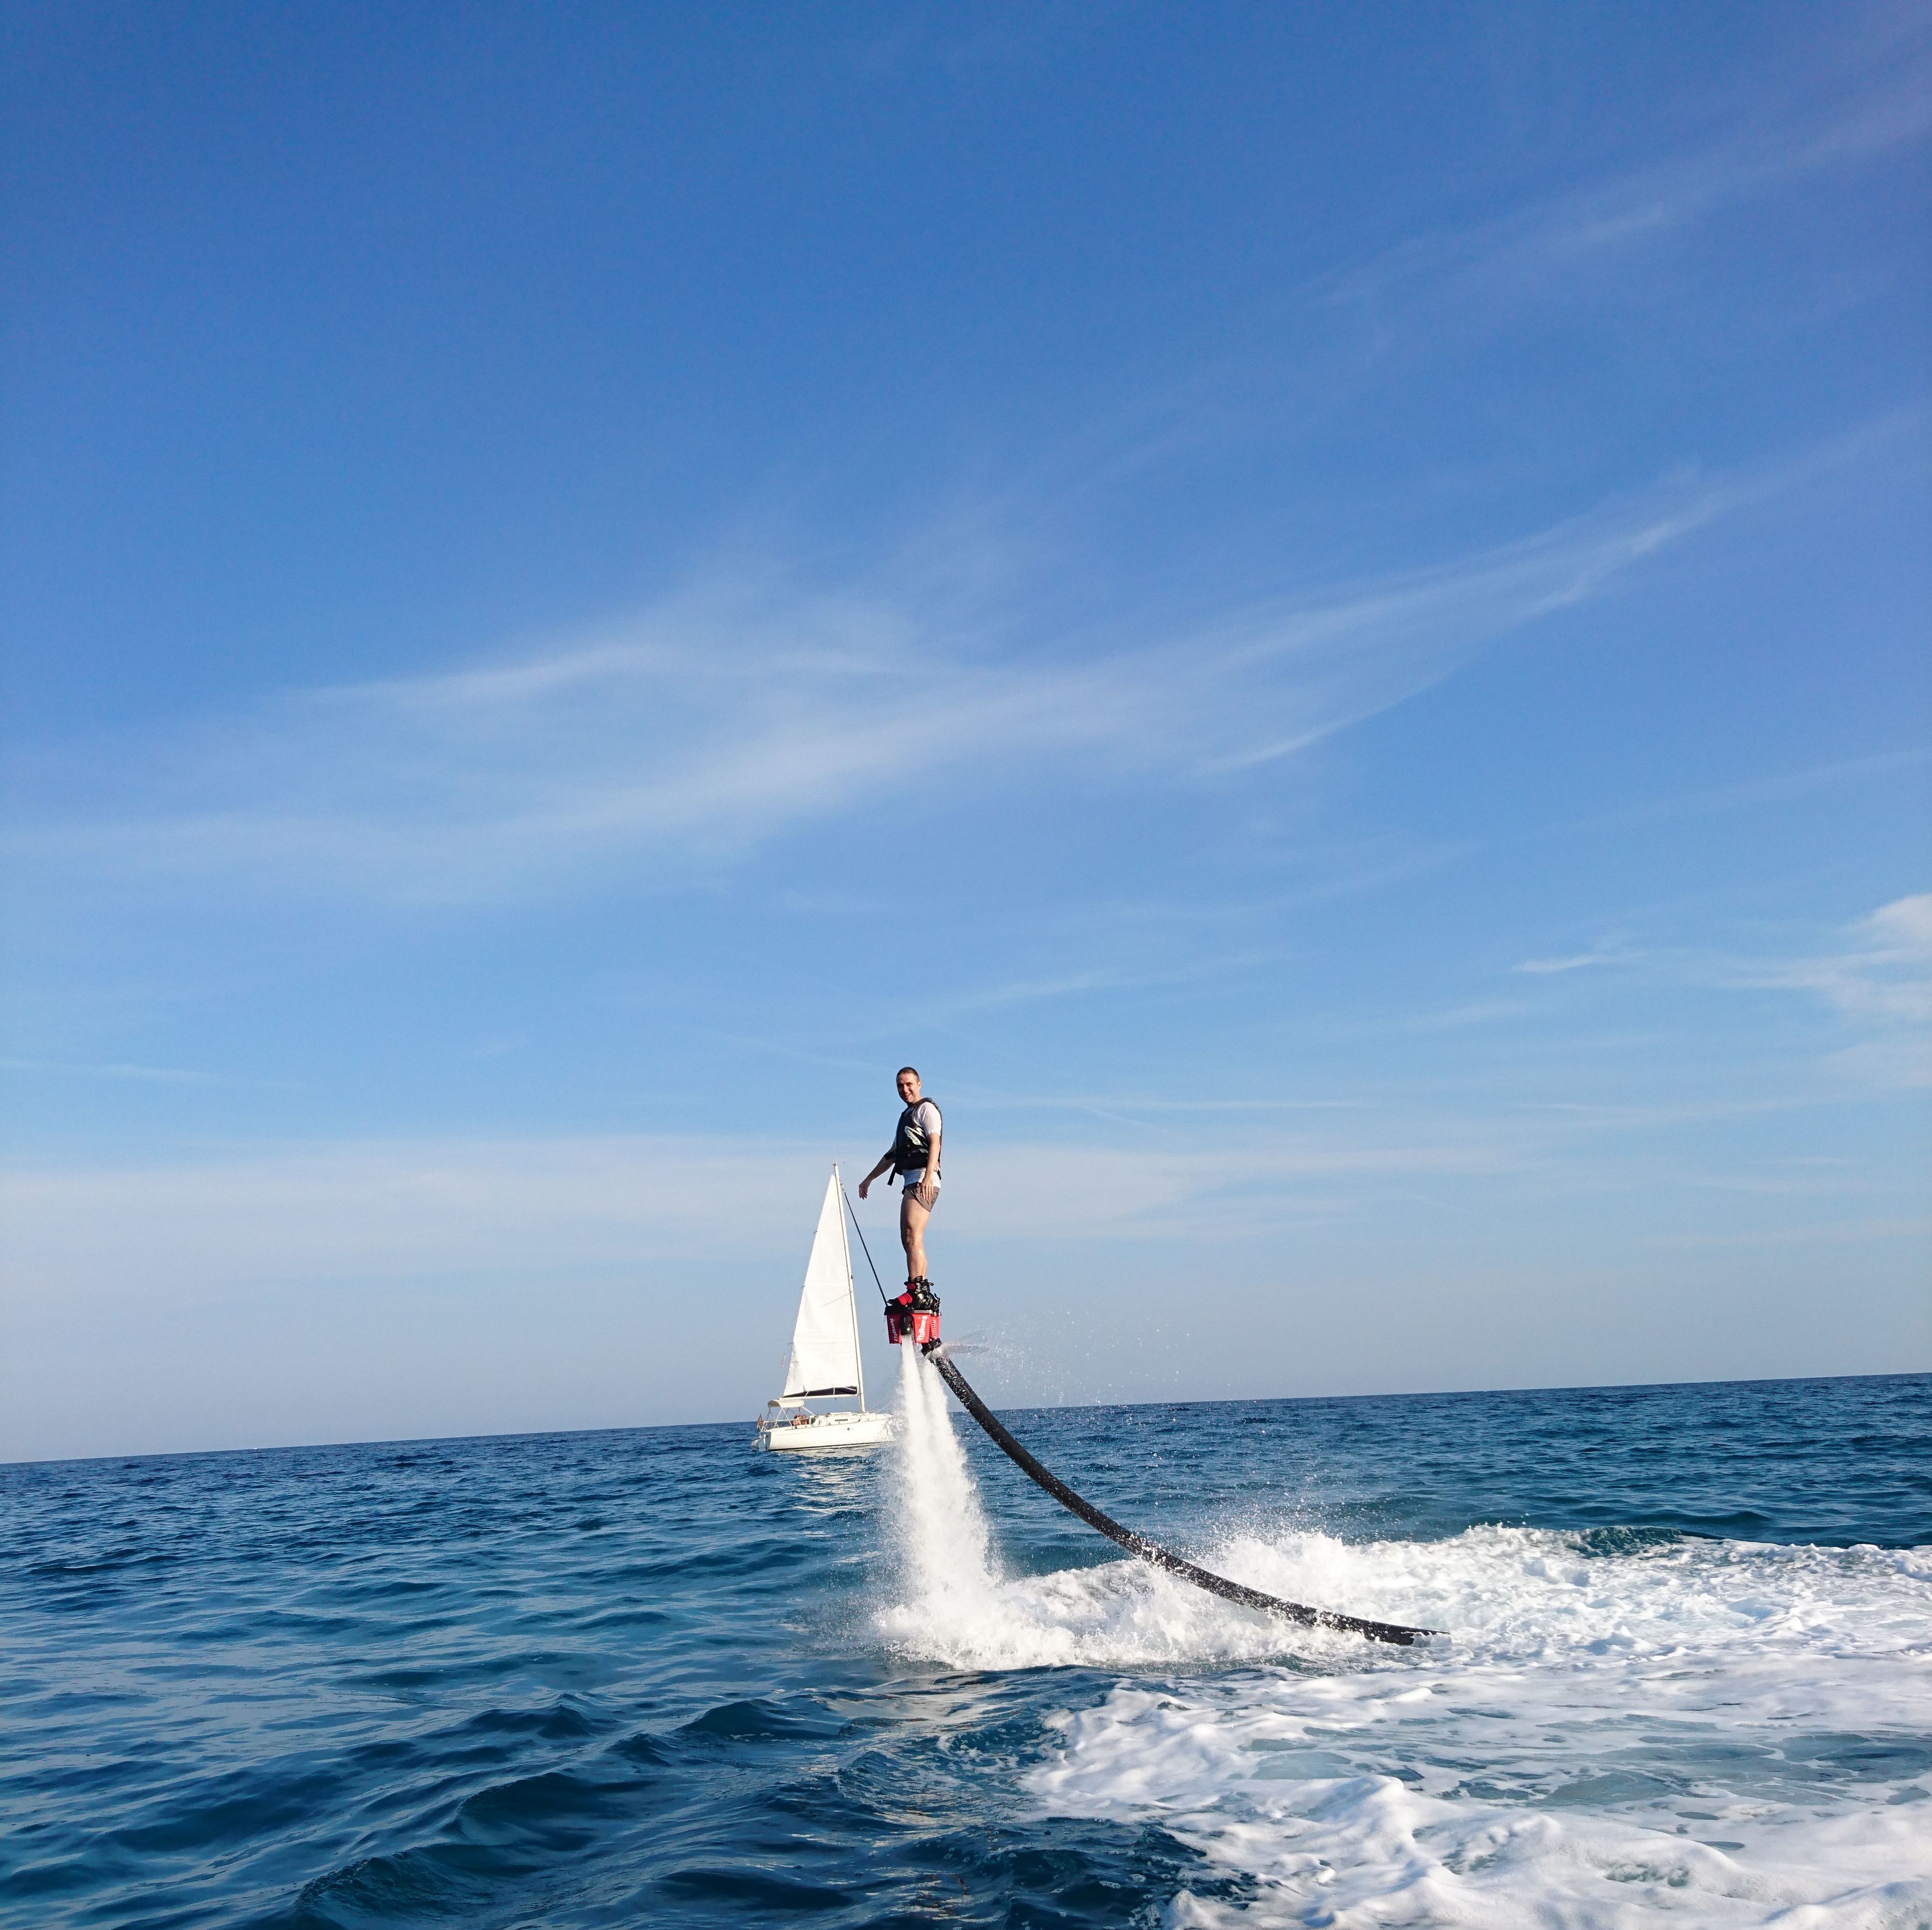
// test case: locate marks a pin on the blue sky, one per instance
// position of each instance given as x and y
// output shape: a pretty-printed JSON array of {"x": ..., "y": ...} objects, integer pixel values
[{"x": 1320, "y": 613}]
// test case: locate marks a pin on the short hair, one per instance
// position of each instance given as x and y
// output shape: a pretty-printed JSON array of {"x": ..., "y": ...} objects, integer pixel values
[{"x": 903, "y": 1070}]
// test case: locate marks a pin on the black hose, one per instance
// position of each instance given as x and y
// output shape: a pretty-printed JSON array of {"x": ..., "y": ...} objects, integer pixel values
[{"x": 1152, "y": 1551}]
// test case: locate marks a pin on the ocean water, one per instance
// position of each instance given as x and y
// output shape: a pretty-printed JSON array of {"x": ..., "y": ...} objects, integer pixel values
[{"x": 653, "y": 1677}]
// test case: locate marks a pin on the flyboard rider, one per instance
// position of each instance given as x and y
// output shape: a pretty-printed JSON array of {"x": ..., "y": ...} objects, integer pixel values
[{"x": 913, "y": 1157}]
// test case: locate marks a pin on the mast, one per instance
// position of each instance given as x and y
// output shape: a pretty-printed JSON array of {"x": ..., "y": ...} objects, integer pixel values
[{"x": 851, "y": 1296}]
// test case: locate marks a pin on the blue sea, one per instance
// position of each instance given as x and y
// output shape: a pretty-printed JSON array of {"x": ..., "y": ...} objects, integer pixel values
[{"x": 657, "y": 1677}]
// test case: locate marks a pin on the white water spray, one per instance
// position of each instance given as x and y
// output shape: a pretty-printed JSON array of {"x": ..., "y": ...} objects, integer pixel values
[
  {"x": 956, "y": 1604},
  {"x": 948, "y": 1585}
]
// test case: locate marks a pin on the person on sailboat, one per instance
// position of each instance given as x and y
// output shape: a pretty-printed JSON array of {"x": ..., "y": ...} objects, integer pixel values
[{"x": 913, "y": 1157}]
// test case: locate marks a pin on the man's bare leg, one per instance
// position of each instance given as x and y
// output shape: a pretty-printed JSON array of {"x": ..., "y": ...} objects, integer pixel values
[{"x": 912, "y": 1217}]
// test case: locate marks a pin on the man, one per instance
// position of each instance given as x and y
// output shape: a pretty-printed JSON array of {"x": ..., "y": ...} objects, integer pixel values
[{"x": 913, "y": 1157}]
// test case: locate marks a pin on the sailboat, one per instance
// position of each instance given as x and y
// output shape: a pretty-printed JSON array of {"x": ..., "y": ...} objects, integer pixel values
[{"x": 824, "y": 1363}]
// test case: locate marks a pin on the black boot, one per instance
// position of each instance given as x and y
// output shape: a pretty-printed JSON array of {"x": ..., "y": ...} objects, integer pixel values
[{"x": 922, "y": 1296}]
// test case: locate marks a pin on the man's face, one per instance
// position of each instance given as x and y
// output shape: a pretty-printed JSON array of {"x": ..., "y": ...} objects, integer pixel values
[{"x": 908, "y": 1087}]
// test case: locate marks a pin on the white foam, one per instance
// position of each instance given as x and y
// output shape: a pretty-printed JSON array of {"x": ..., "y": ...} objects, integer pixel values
[
  {"x": 1662, "y": 1736},
  {"x": 1695, "y": 1733}
]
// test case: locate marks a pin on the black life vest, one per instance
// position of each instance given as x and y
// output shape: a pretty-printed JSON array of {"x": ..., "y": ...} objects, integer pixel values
[{"x": 910, "y": 1152}]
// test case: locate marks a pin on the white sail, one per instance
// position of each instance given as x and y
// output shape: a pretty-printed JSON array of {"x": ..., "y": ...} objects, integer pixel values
[{"x": 825, "y": 1342}]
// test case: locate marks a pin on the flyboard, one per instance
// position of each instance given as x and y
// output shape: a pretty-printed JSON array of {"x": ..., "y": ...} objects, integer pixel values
[{"x": 907, "y": 1320}]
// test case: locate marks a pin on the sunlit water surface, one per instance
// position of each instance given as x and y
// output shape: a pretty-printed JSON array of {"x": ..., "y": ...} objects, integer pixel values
[{"x": 654, "y": 1676}]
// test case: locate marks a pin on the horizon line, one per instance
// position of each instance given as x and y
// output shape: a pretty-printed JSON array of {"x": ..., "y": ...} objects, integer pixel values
[{"x": 1063, "y": 1407}]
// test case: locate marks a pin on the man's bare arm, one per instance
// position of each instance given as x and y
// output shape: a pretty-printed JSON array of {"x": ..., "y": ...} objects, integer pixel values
[
  {"x": 875, "y": 1172},
  {"x": 928, "y": 1191}
]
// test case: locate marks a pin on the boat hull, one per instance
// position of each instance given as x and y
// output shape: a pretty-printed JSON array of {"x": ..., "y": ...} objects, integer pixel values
[{"x": 819, "y": 1431}]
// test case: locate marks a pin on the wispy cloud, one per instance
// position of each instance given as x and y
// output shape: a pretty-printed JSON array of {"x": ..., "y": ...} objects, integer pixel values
[
  {"x": 1835, "y": 1233},
  {"x": 1554, "y": 247},
  {"x": 1326, "y": 666},
  {"x": 1881, "y": 981},
  {"x": 117, "y": 1069},
  {"x": 1547, "y": 967},
  {"x": 1028, "y": 991},
  {"x": 1750, "y": 794},
  {"x": 755, "y": 703},
  {"x": 723, "y": 717},
  {"x": 547, "y": 1209},
  {"x": 525, "y": 1214},
  {"x": 1876, "y": 973}
]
